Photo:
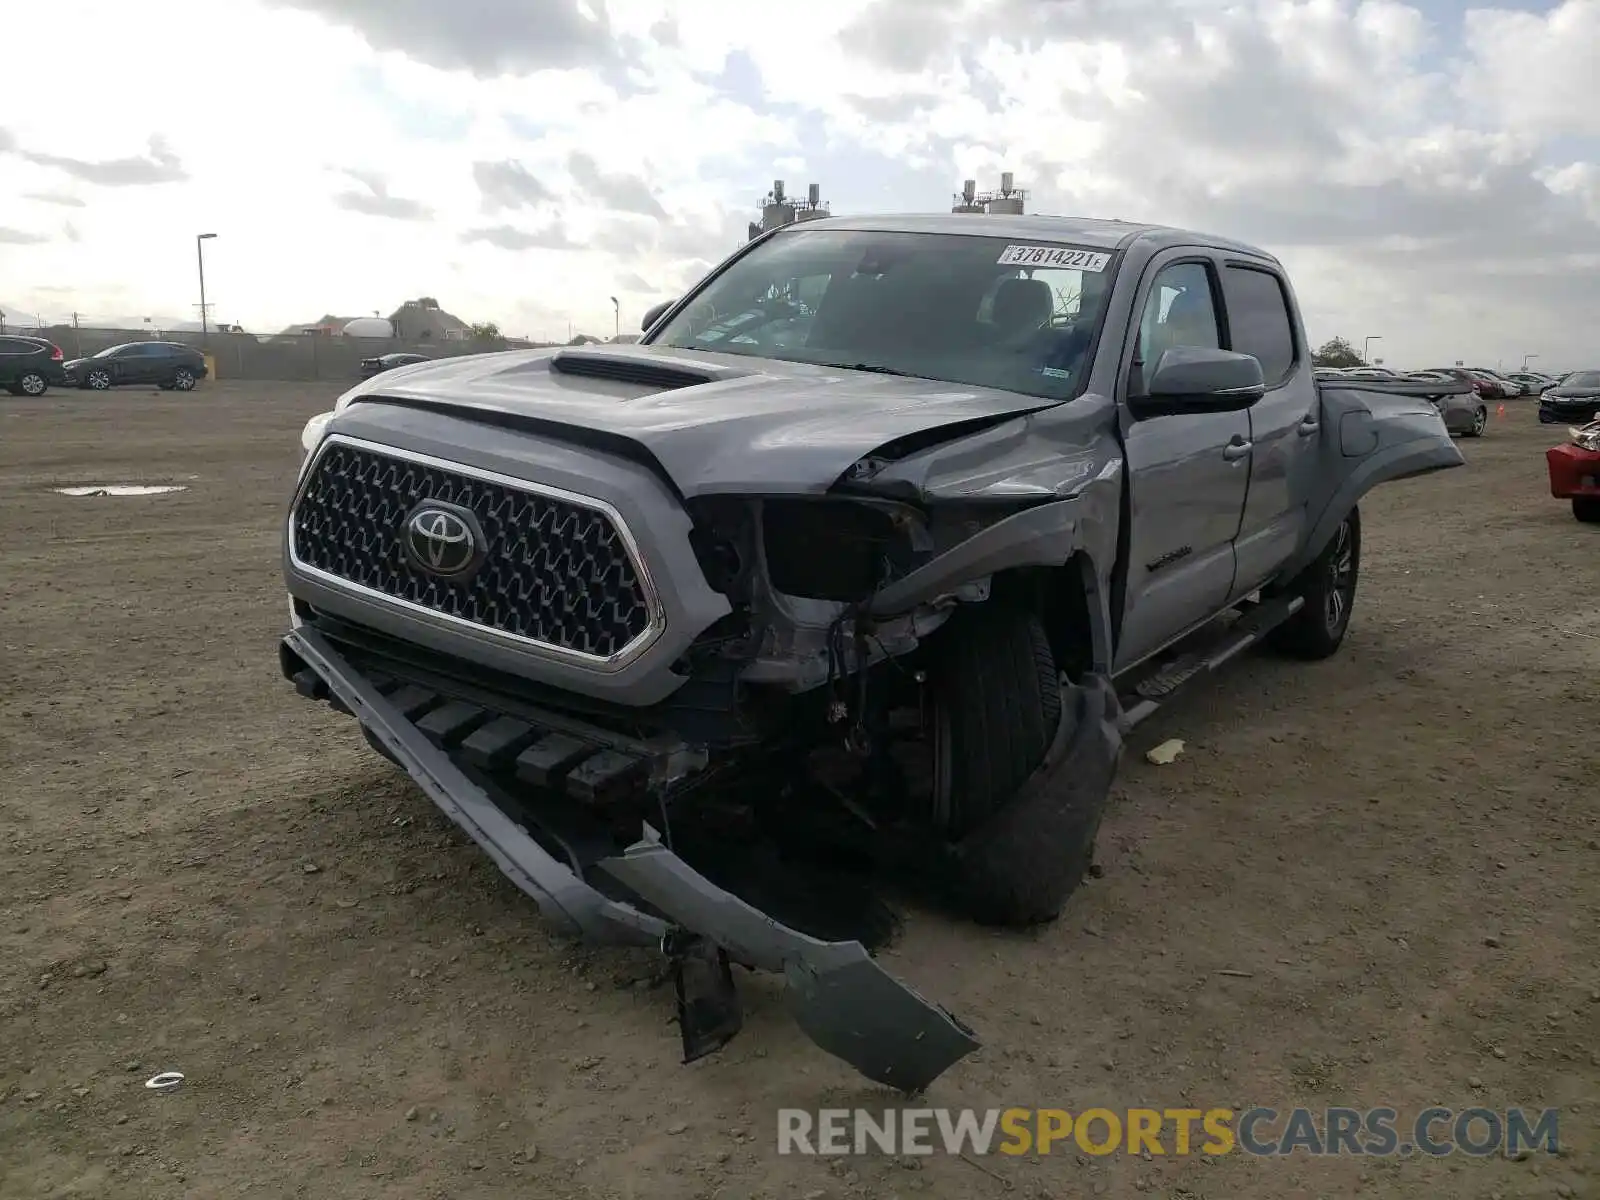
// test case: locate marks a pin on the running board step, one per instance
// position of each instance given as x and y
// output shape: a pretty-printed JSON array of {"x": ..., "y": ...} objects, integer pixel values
[{"x": 1155, "y": 689}]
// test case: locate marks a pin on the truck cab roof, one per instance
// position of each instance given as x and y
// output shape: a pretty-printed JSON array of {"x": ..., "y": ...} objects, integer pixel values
[{"x": 1095, "y": 232}]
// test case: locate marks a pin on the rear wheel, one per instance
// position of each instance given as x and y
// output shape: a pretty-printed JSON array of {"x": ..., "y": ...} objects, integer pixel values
[
  {"x": 1587, "y": 509},
  {"x": 1021, "y": 845},
  {"x": 1329, "y": 588},
  {"x": 32, "y": 383},
  {"x": 1480, "y": 419}
]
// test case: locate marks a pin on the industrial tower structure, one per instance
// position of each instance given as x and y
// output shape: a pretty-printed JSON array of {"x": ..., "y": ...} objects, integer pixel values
[
  {"x": 1008, "y": 199},
  {"x": 778, "y": 208}
]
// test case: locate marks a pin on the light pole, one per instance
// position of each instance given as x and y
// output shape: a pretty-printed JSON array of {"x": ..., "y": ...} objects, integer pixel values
[
  {"x": 1525, "y": 359},
  {"x": 200, "y": 257},
  {"x": 617, "y": 314},
  {"x": 1366, "y": 342}
]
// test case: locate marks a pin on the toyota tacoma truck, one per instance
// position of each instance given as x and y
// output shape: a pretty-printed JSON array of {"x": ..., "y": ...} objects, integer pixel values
[{"x": 862, "y": 560}]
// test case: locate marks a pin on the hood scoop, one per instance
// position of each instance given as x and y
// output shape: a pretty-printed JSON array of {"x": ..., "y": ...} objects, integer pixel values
[{"x": 627, "y": 368}]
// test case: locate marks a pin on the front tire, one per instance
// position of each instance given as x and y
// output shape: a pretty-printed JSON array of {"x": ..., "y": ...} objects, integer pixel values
[
  {"x": 1586, "y": 509},
  {"x": 997, "y": 700},
  {"x": 183, "y": 379},
  {"x": 1480, "y": 420},
  {"x": 1329, "y": 588},
  {"x": 1021, "y": 844},
  {"x": 97, "y": 381}
]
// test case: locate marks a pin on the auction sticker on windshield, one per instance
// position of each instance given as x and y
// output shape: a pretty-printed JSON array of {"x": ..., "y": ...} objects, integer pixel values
[{"x": 1054, "y": 256}]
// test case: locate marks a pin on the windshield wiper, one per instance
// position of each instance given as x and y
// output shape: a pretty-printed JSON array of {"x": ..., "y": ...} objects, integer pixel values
[{"x": 874, "y": 368}]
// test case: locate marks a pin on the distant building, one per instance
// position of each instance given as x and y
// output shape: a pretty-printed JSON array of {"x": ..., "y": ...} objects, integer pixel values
[
  {"x": 368, "y": 327},
  {"x": 779, "y": 209},
  {"x": 327, "y": 325},
  {"x": 1007, "y": 199},
  {"x": 422, "y": 320}
]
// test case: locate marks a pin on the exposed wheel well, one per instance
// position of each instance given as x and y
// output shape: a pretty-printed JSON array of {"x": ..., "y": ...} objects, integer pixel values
[{"x": 1061, "y": 597}]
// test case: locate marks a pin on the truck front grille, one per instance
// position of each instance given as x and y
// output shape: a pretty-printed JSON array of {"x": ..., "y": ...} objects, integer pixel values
[{"x": 557, "y": 572}]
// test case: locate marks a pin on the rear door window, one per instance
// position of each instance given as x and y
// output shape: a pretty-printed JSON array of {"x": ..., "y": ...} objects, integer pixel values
[{"x": 1259, "y": 323}]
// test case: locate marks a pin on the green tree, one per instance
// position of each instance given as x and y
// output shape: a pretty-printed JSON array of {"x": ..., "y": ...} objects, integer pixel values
[
  {"x": 1336, "y": 352},
  {"x": 486, "y": 331}
]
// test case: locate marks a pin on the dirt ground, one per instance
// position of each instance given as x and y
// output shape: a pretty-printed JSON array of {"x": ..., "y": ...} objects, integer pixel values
[{"x": 201, "y": 872}]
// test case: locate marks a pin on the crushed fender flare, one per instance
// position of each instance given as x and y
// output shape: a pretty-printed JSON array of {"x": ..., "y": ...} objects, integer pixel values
[{"x": 1021, "y": 865}]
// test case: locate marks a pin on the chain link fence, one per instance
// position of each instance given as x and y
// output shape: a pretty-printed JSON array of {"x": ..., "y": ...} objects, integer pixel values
[{"x": 293, "y": 357}]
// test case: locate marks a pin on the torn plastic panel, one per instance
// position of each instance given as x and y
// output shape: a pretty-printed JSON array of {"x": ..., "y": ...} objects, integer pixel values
[
  {"x": 841, "y": 997},
  {"x": 837, "y": 992}
]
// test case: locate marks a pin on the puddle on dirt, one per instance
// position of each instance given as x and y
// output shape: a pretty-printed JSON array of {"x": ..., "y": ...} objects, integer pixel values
[{"x": 121, "y": 489}]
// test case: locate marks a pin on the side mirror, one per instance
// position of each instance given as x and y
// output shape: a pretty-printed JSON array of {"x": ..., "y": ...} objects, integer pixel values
[
  {"x": 652, "y": 315},
  {"x": 1192, "y": 379}
]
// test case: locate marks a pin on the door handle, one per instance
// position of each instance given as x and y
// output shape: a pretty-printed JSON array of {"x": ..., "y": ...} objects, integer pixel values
[
  {"x": 1309, "y": 426},
  {"x": 1236, "y": 450}
]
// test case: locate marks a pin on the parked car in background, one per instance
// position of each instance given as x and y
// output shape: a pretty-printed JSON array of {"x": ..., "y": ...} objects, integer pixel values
[
  {"x": 1576, "y": 400},
  {"x": 387, "y": 362},
  {"x": 1464, "y": 411},
  {"x": 1532, "y": 382},
  {"x": 30, "y": 366},
  {"x": 168, "y": 365},
  {"x": 1575, "y": 472},
  {"x": 1513, "y": 386},
  {"x": 1485, "y": 387},
  {"x": 1495, "y": 388}
]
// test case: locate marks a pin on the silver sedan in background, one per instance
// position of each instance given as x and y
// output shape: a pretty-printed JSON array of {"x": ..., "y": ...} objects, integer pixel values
[{"x": 1465, "y": 413}]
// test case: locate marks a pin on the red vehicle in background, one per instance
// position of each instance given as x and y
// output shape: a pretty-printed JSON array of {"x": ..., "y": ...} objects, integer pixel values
[{"x": 1575, "y": 472}]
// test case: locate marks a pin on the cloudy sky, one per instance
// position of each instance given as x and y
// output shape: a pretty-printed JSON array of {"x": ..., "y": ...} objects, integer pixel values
[{"x": 1430, "y": 172}]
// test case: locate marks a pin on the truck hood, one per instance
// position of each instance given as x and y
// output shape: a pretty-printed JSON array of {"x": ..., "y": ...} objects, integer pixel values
[{"x": 714, "y": 422}]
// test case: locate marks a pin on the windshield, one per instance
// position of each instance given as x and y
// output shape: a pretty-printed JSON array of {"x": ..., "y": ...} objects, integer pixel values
[
  {"x": 985, "y": 311},
  {"x": 1583, "y": 379},
  {"x": 109, "y": 351}
]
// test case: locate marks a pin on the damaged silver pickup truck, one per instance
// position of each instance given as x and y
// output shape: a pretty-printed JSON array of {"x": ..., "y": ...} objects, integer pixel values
[{"x": 858, "y": 566}]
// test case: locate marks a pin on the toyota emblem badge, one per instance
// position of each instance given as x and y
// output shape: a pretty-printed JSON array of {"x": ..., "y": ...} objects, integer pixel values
[{"x": 444, "y": 540}]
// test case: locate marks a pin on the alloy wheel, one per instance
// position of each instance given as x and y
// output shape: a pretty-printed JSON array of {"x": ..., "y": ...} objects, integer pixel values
[
  {"x": 32, "y": 384},
  {"x": 1341, "y": 578}
]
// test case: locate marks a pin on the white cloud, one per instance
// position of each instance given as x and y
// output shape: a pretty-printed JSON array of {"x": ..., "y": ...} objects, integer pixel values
[
  {"x": 1548, "y": 81},
  {"x": 1432, "y": 179}
]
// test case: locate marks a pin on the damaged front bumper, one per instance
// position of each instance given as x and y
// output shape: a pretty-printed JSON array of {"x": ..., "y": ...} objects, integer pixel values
[{"x": 840, "y": 996}]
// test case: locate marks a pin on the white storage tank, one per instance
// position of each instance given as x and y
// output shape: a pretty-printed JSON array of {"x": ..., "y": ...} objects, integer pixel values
[{"x": 368, "y": 327}]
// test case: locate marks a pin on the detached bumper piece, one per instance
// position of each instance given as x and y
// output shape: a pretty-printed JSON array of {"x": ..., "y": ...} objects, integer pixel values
[{"x": 837, "y": 992}]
